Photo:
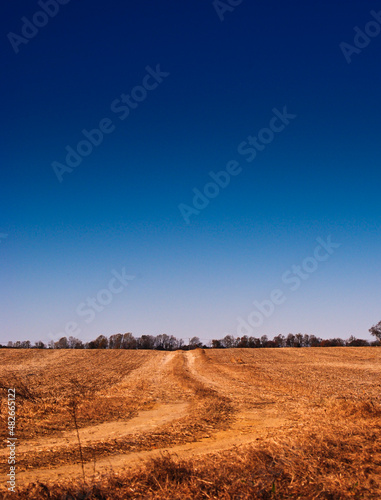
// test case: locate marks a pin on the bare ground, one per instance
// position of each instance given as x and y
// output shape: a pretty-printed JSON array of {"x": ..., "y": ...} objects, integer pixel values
[{"x": 132, "y": 406}]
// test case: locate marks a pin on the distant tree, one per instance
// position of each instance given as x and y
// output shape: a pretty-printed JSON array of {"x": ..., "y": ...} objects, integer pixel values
[
  {"x": 290, "y": 340},
  {"x": 115, "y": 341},
  {"x": 350, "y": 341},
  {"x": 298, "y": 340},
  {"x": 78, "y": 344},
  {"x": 271, "y": 343},
  {"x": 216, "y": 344},
  {"x": 101, "y": 342},
  {"x": 306, "y": 340},
  {"x": 325, "y": 343},
  {"x": 336, "y": 342},
  {"x": 128, "y": 341},
  {"x": 353, "y": 342},
  {"x": 254, "y": 342},
  {"x": 146, "y": 342},
  {"x": 243, "y": 341},
  {"x": 173, "y": 343},
  {"x": 75, "y": 343},
  {"x": 62, "y": 343},
  {"x": 363, "y": 343},
  {"x": 264, "y": 340},
  {"x": 228, "y": 341},
  {"x": 376, "y": 331},
  {"x": 195, "y": 342},
  {"x": 163, "y": 342},
  {"x": 169, "y": 342},
  {"x": 279, "y": 341},
  {"x": 314, "y": 341}
]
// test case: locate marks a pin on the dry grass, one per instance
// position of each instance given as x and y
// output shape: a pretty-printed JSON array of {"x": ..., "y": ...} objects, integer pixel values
[{"x": 327, "y": 401}]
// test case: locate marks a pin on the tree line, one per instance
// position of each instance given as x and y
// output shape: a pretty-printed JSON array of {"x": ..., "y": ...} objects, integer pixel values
[{"x": 166, "y": 342}]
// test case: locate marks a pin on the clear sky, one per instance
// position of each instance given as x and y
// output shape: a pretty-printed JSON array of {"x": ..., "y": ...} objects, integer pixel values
[{"x": 121, "y": 242}]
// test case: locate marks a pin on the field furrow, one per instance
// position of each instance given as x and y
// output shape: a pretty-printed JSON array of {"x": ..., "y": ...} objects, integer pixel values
[{"x": 97, "y": 412}]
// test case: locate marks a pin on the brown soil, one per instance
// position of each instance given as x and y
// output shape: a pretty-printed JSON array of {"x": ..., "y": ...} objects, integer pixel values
[{"x": 131, "y": 406}]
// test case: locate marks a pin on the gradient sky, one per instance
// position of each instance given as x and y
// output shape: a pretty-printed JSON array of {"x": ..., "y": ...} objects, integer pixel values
[{"x": 119, "y": 209}]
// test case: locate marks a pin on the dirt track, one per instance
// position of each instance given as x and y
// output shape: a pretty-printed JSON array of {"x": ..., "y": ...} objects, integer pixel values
[{"x": 135, "y": 405}]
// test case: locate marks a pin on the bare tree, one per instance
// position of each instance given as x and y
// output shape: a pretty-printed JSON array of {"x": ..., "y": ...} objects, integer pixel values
[
  {"x": 128, "y": 341},
  {"x": 146, "y": 342},
  {"x": 62, "y": 343},
  {"x": 264, "y": 340},
  {"x": 314, "y": 341},
  {"x": 228, "y": 341},
  {"x": 195, "y": 342},
  {"x": 115, "y": 341},
  {"x": 279, "y": 340},
  {"x": 242, "y": 341},
  {"x": 290, "y": 340},
  {"x": 216, "y": 344},
  {"x": 101, "y": 342},
  {"x": 376, "y": 331},
  {"x": 298, "y": 340},
  {"x": 75, "y": 343}
]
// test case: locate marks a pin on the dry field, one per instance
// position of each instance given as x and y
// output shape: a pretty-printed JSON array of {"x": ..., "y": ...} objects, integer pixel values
[{"x": 231, "y": 423}]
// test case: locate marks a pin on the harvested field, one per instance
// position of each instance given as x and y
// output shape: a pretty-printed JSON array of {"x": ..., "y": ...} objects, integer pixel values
[{"x": 230, "y": 423}]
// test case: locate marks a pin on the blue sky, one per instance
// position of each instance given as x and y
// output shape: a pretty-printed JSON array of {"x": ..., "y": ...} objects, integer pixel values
[{"x": 118, "y": 210}]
